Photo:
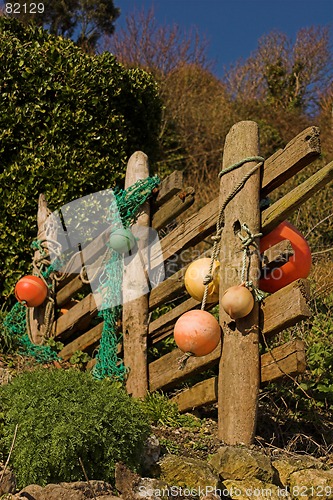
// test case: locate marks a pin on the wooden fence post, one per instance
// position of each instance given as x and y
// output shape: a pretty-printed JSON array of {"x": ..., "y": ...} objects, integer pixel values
[
  {"x": 135, "y": 310},
  {"x": 239, "y": 371},
  {"x": 37, "y": 315}
]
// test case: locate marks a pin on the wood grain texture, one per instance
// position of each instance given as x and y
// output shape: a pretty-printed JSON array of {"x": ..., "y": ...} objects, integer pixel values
[
  {"x": 239, "y": 374},
  {"x": 285, "y": 163},
  {"x": 135, "y": 301},
  {"x": 285, "y": 206},
  {"x": 278, "y": 311},
  {"x": 283, "y": 361},
  {"x": 170, "y": 210}
]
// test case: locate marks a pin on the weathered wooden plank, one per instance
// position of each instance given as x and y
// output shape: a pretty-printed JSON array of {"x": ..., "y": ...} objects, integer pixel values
[
  {"x": 170, "y": 186},
  {"x": 189, "y": 232},
  {"x": 70, "y": 322},
  {"x": 135, "y": 300},
  {"x": 285, "y": 360},
  {"x": 94, "y": 250},
  {"x": 173, "y": 287},
  {"x": 162, "y": 326},
  {"x": 82, "y": 343},
  {"x": 173, "y": 208},
  {"x": 69, "y": 290},
  {"x": 285, "y": 163},
  {"x": 285, "y": 308},
  {"x": 165, "y": 372},
  {"x": 239, "y": 374},
  {"x": 279, "y": 311},
  {"x": 202, "y": 393},
  {"x": 75, "y": 284},
  {"x": 286, "y": 205}
]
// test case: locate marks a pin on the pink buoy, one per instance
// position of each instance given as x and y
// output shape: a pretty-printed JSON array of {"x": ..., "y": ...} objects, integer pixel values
[{"x": 197, "y": 332}]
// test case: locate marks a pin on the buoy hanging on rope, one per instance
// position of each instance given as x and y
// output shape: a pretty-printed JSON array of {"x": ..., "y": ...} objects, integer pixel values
[
  {"x": 122, "y": 240},
  {"x": 195, "y": 276},
  {"x": 237, "y": 301},
  {"x": 197, "y": 332},
  {"x": 31, "y": 291},
  {"x": 298, "y": 265}
]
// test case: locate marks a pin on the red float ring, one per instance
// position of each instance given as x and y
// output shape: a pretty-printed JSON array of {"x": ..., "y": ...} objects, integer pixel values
[{"x": 298, "y": 265}]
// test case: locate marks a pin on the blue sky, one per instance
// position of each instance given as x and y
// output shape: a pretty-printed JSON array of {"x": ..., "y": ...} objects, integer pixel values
[{"x": 233, "y": 27}]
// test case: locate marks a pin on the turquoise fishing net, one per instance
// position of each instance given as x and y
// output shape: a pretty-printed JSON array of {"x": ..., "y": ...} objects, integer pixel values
[{"x": 123, "y": 212}]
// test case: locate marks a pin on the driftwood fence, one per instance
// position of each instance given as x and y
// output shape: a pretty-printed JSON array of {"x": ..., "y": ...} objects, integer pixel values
[{"x": 241, "y": 368}]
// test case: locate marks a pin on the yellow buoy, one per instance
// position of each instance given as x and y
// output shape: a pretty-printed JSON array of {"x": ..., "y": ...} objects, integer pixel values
[{"x": 195, "y": 275}]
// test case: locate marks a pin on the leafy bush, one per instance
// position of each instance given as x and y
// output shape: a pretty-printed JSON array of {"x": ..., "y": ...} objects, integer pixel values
[
  {"x": 318, "y": 381},
  {"x": 161, "y": 410},
  {"x": 68, "y": 123},
  {"x": 64, "y": 415}
]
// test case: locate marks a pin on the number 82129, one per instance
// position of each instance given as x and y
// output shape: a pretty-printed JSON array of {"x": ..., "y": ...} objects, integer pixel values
[{"x": 24, "y": 8}]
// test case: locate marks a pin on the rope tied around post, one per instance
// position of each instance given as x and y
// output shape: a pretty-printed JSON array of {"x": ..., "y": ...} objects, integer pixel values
[
  {"x": 221, "y": 217},
  {"x": 247, "y": 241}
]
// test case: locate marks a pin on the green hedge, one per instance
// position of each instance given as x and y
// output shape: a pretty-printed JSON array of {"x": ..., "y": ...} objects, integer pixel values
[
  {"x": 65, "y": 415},
  {"x": 68, "y": 123}
]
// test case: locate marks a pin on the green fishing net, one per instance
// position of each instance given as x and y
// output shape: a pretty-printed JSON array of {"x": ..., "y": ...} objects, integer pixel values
[{"x": 123, "y": 212}]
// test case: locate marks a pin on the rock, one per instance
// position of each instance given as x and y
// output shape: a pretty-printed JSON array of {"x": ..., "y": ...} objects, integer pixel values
[
  {"x": 311, "y": 483},
  {"x": 286, "y": 466},
  {"x": 151, "y": 453},
  {"x": 234, "y": 462},
  {"x": 5, "y": 376},
  {"x": 188, "y": 472},
  {"x": 108, "y": 497},
  {"x": 8, "y": 481},
  {"x": 150, "y": 489},
  {"x": 98, "y": 488},
  {"x": 33, "y": 492},
  {"x": 79, "y": 490},
  {"x": 126, "y": 481},
  {"x": 251, "y": 488}
]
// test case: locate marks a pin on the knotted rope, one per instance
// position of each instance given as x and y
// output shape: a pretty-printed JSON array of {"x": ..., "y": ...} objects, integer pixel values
[
  {"x": 221, "y": 217},
  {"x": 219, "y": 230}
]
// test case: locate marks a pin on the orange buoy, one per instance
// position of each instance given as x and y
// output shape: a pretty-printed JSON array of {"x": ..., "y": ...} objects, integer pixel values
[
  {"x": 194, "y": 277},
  {"x": 237, "y": 301},
  {"x": 298, "y": 265},
  {"x": 197, "y": 332},
  {"x": 31, "y": 290}
]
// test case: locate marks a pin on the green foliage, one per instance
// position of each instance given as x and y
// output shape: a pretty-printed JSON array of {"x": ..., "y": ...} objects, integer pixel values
[
  {"x": 68, "y": 123},
  {"x": 161, "y": 410},
  {"x": 8, "y": 343},
  {"x": 64, "y": 415},
  {"x": 82, "y": 20},
  {"x": 312, "y": 396},
  {"x": 318, "y": 382},
  {"x": 54, "y": 344},
  {"x": 80, "y": 359}
]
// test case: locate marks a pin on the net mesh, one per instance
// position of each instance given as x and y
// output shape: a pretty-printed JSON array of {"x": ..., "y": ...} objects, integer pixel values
[{"x": 124, "y": 212}]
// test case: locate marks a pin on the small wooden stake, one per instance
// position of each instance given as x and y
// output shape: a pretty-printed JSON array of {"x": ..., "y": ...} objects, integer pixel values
[
  {"x": 135, "y": 310},
  {"x": 239, "y": 373}
]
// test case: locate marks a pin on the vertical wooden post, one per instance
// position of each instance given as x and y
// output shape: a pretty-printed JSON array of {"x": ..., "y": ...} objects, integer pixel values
[
  {"x": 135, "y": 306},
  {"x": 37, "y": 315},
  {"x": 239, "y": 373}
]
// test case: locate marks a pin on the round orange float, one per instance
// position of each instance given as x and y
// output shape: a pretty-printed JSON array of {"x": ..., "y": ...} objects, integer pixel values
[
  {"x": 197, "y": 332},
  {"x": 298, "y": 266},
  {"x": 31, "y": 291},
  {"x": 194, "y": 277}
]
